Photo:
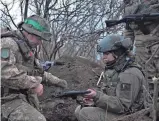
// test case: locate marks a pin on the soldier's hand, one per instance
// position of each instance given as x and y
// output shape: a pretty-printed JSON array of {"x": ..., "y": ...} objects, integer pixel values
[
  {"x": 38, "y": 90},
  {"x": 88, "y": 101},
  {"x": 92, "y": 93}
]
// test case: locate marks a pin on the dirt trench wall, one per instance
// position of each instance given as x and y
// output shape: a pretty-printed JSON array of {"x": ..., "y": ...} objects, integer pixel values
[{"x": 80, "y": 74}]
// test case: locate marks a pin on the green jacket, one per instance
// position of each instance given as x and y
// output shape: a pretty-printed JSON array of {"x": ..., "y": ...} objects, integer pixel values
[{"x": 123, "y": 91}]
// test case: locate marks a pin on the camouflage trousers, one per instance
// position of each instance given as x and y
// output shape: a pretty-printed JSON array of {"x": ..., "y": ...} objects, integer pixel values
[
  {"x": 93, "y": 114},
  {"x": 20, "y": 110}
]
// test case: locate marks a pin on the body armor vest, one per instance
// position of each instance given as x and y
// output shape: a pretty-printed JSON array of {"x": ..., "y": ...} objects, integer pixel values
[{"x": 111, "y": 80}]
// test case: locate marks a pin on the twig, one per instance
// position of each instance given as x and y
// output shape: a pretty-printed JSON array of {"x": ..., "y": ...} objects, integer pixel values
[
  {"x": 152, "y": 44},
  {"x": 152, "y": 55},
  {"x": 5, "y": 5},
  {"x": 101, "y": 75}
]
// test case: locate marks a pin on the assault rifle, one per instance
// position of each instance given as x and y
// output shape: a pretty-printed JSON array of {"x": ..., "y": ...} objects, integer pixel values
[
  {"x": 138, "y": 19},
  {"x": 72, "y": 94}
]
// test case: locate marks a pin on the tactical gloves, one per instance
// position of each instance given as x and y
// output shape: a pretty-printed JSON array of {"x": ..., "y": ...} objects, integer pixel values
[{"x": 46, "y": 65}]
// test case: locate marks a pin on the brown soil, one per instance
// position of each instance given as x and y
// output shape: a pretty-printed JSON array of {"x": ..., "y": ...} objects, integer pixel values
[{"x": 80, "y": 74}]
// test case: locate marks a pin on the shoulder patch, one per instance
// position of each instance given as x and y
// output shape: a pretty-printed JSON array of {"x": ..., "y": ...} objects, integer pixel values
[
  {"x": 5, "y": 53},
  {"x": 125, "y": 87}
]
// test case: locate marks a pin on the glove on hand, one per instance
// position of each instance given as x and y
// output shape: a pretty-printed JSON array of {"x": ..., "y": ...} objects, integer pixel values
[{"x": 46, "y": 65}]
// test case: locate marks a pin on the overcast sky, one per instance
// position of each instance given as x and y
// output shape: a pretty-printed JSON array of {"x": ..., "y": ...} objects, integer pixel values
[{"x": 15, "y": 11}]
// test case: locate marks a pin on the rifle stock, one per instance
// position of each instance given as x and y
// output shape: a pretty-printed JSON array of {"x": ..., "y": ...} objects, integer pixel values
[{"x": 110, "y": 23}]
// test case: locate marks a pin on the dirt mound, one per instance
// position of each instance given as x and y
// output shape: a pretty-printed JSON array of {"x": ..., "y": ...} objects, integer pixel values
[{"x": 80, "y": 74}]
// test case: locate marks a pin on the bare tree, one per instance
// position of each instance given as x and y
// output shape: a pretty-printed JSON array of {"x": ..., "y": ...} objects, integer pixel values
[
  {"x": 76, "y": 25},
  {"x": 6, "y": 17}
]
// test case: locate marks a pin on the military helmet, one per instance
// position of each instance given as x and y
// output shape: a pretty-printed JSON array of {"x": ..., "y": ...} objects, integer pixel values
[
  {"x": 38, "y": 26},
  {"x": 113, "y": 42}
]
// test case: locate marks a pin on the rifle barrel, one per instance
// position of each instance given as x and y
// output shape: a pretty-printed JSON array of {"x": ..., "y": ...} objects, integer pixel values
[
  {"x": 137, "y": 18},
  {"x": 72, "y": 93}
]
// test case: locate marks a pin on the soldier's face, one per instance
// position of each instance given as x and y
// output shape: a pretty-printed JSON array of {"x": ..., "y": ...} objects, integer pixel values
[
  {"x": 108, "y": 57},
  {"x": 34, "y": 40}
]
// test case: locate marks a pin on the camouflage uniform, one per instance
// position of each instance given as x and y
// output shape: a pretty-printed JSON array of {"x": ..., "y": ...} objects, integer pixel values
[
  {"x": 122, "y": 93},
  {"x": 145, "y": 44},
  {"x": 16, "y": 82},
  {"x": 18, "y": 77}
]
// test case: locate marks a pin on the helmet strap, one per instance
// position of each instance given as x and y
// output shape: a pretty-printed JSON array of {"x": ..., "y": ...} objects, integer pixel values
[
  {"x": 111, "y": 64},
  {"x": 114, "y": 55}
]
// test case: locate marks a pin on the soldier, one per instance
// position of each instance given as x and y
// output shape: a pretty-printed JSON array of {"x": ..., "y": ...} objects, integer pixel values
[
  {"x": 147, "y": 45},
  {"x": 147, "y": 52},
  {"x": 21, "y": 73},
  {"x": 122, "y": 91}
]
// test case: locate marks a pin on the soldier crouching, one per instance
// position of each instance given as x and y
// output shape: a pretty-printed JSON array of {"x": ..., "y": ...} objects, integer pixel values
[
  {"x": 21, "y": 76},
  {"x": 122, "y": 92}
]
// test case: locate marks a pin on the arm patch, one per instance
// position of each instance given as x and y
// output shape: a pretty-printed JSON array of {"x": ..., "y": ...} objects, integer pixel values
[
  {"x": 125, "y": 87},
  {"x": 5, "y": 53}
]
